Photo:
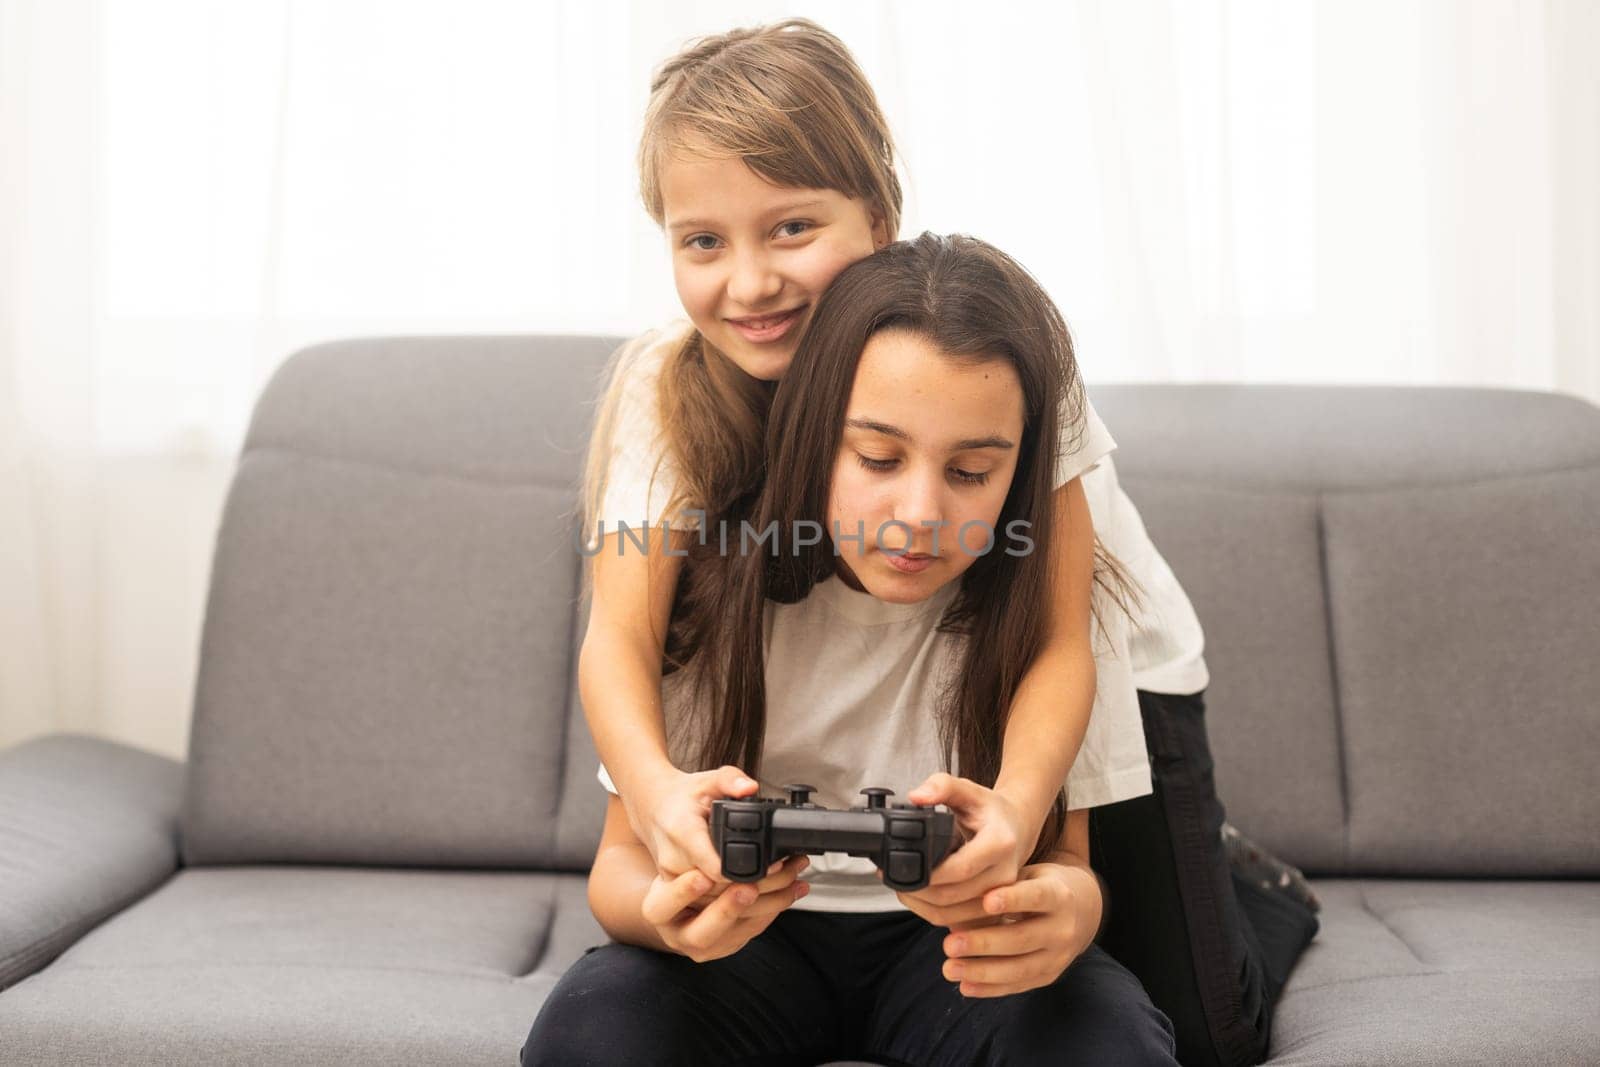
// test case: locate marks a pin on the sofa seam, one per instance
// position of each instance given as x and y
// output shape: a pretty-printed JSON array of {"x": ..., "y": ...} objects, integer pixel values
[
  {"x": 1336, "y": 686},
  {"x": 569, "y": 676},
  {"x": 33, "y": 957},
  {"x": 52, "y": 945},
  {"x": 537, "y": 956},
  {"x": 1366, "y": 906}
]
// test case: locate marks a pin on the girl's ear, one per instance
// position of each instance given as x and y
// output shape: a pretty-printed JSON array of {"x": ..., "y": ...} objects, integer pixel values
[{"x": 880, "y": 229}]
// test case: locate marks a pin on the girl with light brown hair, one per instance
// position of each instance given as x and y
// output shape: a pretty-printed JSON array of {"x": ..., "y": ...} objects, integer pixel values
[{"x": 768, "y": 163}]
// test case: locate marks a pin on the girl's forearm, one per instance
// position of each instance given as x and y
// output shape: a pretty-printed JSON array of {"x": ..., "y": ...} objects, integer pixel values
[
  {"x": 620, "y": 682},
  {"x": 1049, "y": 716},
  {"x": 618, "y": 882},
  {"x": 1071, "y": 854}
]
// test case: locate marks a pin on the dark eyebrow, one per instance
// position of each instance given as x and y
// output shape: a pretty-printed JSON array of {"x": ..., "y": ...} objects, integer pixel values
[
  {"x": 992, "y": 441},
  {"x": 781, "y": 209}
]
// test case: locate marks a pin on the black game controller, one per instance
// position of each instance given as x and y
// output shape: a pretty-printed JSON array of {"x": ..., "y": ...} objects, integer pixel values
[{"x": 905, "y": 841}]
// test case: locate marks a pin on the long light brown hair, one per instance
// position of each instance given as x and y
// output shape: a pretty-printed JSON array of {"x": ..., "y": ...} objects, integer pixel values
[
  {"x": 972, "y": 303},
  {"x": 791, "y": 102}
]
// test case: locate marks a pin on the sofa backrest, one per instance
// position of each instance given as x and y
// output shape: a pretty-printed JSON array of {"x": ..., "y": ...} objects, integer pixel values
[
  {"x": 1400, "y": 590},
  {"x": 387, "y": 666},
  {"x": 388, "y": 662}
]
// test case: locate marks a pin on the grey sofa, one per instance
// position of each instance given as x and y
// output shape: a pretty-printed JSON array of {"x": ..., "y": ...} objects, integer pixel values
[{"x": 376, "y": 850}]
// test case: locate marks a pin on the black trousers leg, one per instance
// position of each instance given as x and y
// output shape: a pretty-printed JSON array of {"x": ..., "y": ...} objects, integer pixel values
[
  {"x": 816, "y": 987},
  {"x": 1096, "y": 1013},
  {"x": 775, "y": 1001},
  {"x": 1174, "y": 913}
]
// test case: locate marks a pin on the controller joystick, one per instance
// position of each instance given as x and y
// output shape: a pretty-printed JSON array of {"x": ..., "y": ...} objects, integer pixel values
[
  {"x": 876, "y": 796},
  {"x": 800, "y": 795}
]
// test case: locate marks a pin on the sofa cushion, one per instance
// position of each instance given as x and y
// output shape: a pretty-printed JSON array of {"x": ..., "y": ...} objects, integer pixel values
[
  {"x": 1262, "y": 497},
  {"x": 1251, "y": 563},
  {"x": 1444, "y": 972},
  {"x": 290, "y": 965},
  {"x": 1468, "y": 642},
  {"x": 389, "y": 641}
]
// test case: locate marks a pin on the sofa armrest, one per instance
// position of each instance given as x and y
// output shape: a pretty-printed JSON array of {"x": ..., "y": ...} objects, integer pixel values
[{"x": 87, "y": 826}]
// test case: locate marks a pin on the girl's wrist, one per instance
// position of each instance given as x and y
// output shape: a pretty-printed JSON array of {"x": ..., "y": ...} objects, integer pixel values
[
  {"x": 1088, "y": 900},
  {"x": 645, "y": 773},
  {"x": 1032, "y": 808}
]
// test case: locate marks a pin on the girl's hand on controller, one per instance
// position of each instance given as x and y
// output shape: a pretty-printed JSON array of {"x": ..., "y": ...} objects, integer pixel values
[
  {"x": 1021, "y": 936},
  {"x": 997, "y": 844},
  {"x": 671, "y": 816},
  {"x": 704, "y": 921}
]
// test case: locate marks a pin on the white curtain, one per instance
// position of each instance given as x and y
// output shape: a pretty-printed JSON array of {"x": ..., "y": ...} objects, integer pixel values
[{"x": 1266, "y": 191}]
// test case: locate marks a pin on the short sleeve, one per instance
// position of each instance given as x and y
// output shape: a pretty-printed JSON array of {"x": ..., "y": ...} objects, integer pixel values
[
  {"x": 1113, "y": 763},
  {"x": 605, "y": 780},
  {"x": 1076, "y": 457},
  {"x": 640, "y": 476}
]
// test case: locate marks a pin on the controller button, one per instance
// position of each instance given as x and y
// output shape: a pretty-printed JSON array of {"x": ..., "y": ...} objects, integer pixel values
[
  {"x": 905, "y": 829},
  {"x": 744, "y": 820},
  {"x": 905, "y": 867},
  {"x": 741, "y": 859}
]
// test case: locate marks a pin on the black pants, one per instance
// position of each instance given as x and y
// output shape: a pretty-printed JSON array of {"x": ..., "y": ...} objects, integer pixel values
[
  {"x": 816, "y": 986},
  {"x": 1213, "y": 950}
]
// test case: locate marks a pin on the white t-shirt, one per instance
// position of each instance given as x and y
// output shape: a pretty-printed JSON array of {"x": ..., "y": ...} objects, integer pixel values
[
  {"x": 1165, "y": 647},
  {"x": 1163, "y": 652},
  {"x": 853, "y": 683}
]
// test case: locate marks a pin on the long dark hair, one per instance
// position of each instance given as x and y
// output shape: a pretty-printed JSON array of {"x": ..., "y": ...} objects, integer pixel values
[{"x": 971, "y": 302}]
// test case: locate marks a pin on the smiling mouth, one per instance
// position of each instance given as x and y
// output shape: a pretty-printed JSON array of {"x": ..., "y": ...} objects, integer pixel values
[{"x": 763, "y": 322}]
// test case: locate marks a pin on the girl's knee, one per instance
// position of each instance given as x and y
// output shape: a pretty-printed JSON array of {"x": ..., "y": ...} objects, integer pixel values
[
  {"x": 1096, "y": 1013},
  {"x": 599, "y": 1010},
  {"x": 1142, "y": 1037}
]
